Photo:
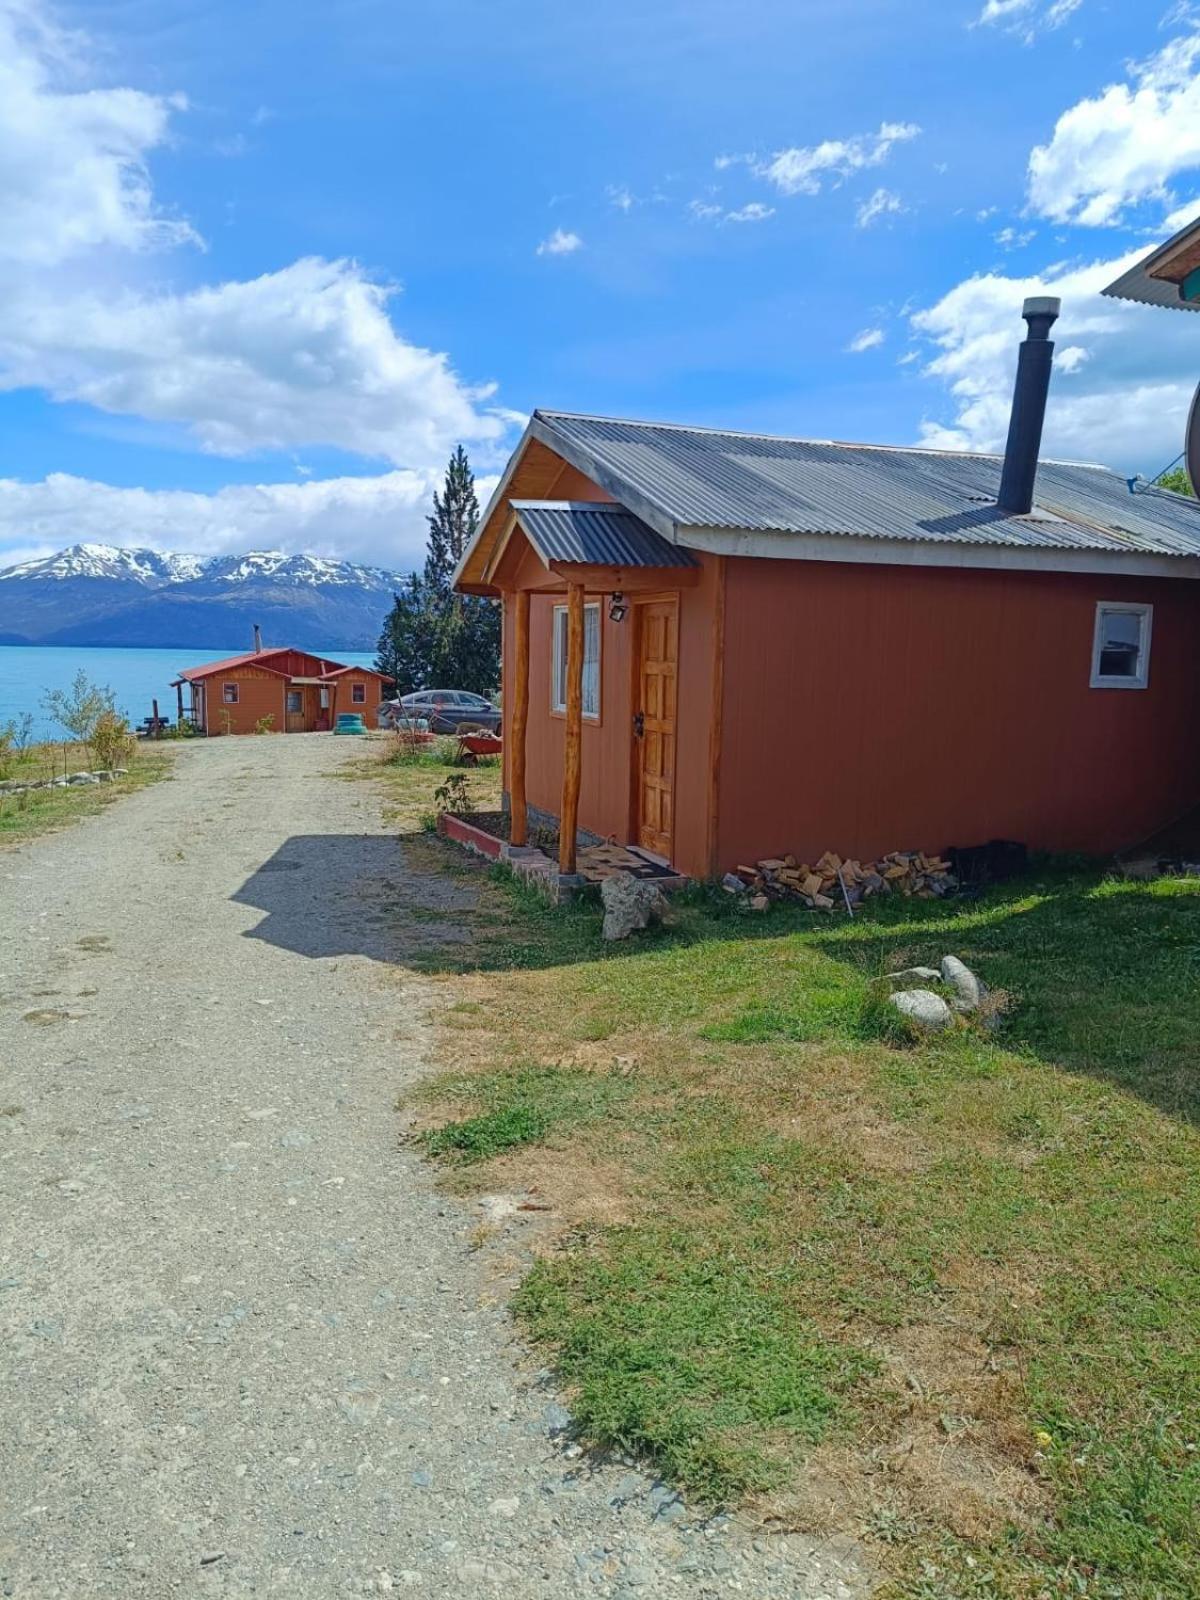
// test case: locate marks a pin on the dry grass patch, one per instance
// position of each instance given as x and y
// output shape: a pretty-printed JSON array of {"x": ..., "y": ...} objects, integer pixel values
[{"x": 27, "y": 813}]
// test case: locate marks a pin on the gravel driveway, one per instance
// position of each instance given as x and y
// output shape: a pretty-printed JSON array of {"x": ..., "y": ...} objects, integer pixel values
[{"x": 246, "y": 1349}]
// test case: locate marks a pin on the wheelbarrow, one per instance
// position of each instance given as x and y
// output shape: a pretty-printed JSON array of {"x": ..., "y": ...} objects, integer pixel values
[{"x": 473, "y": 745}]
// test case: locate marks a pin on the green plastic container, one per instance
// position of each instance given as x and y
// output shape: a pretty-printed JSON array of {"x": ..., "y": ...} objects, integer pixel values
[{"x": 350, "y": 722}]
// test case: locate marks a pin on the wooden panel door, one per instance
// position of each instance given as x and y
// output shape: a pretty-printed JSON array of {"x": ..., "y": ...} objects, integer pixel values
[
  {"x": 654, "y": 723},
  {"x": 296, "y": 722}
]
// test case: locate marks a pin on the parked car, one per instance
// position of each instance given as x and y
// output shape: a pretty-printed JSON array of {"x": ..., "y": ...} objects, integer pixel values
[{"x": 444, "y": 710}]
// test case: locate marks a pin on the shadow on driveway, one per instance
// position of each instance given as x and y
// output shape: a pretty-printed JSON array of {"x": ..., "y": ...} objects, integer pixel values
[{"x": 331, "y": 894}]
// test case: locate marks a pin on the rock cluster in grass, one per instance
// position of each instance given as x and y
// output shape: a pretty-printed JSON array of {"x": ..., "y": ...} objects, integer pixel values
[
  {"x": 73, "y": 780},
  {"x": 962, "y": 994},
  {"x": 630, "y": 904}
]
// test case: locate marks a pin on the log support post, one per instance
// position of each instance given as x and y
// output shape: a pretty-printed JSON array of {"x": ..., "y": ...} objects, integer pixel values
[
  {"x": 573, "y": 741},
  {"x": 520, "y": 721}
]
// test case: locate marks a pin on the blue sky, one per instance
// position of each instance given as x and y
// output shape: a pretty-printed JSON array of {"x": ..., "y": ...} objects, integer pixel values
[{"x": 264, "y": 265}]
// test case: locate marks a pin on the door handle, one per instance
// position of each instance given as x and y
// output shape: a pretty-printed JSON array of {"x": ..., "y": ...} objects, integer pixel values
[{"x": 639, "y": 724}]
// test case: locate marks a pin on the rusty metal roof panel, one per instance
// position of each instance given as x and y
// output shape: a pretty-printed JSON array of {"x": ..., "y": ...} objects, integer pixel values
[
  {"x": 596, "y": 533},
  {"x": 705, "y": 478}
]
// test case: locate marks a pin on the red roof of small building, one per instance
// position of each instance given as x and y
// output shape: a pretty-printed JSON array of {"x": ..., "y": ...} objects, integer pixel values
[{"x": 262, "y": 658}]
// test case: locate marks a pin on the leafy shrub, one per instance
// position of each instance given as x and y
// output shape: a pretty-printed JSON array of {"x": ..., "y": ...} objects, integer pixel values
[
  {"x": 112, "y": 744},
  {"x": 265, "y": 724},
  {"x": 79, "y": 708},
  {"x": 15, "y": 738},
  {"x": 454, "y": 795}
]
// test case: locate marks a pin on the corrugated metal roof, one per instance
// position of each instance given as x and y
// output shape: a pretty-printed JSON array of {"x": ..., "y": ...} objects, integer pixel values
[
  {"x": 596, "y": 533},
  {"x": 704, "y": 478},
  {"x": 1137, "y": 284}
]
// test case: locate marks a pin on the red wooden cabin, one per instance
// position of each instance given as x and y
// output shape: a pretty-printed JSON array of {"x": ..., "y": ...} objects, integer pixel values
[
  {"x": 720, "y": 647},
  {"x": 297, "y": 691}
]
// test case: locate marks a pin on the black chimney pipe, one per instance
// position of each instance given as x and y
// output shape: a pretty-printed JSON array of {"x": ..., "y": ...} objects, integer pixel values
[{"x": 1029, "y": 406}]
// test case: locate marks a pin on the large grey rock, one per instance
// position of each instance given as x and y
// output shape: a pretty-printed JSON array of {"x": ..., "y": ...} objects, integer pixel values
[
  {"x": 629, "y": 904},
  {"x": 926, "y": 1009},
  {"x": 968, "y": 990},
  {"x": 915, "y": 975}
]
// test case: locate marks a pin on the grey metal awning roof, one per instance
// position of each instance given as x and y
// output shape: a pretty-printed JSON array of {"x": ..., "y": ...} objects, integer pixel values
[
  {"x": 683, "y": 479},
  {"x": 595, "y": 533},
  {"x": 1141, "y": 284}
]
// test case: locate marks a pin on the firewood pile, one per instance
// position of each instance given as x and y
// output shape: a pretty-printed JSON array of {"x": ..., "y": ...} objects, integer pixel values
[{"x": 831, "y": 882}]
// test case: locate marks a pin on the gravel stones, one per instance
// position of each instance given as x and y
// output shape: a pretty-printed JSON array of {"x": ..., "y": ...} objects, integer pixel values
[{"x": 201, "y": 1332}]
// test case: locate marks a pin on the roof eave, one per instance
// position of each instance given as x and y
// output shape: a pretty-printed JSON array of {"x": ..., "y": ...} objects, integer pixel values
[
  {"x": 459, "y": 579},
  {"x": 656, "y": 516},
  {"x": 863, "y": 549}
]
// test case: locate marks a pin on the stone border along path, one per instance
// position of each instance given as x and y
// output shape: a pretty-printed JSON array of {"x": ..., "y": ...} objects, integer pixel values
[{"x": 247, "y": 1350}]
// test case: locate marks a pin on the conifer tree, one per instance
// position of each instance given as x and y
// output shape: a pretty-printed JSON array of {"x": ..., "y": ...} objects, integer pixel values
[{"x": 434, "y": 638}]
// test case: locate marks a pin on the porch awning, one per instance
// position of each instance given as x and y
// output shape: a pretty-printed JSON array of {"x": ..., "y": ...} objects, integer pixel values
[
  {"x": 1169, "y": 276},
  {"x": 595, "y": 533}
]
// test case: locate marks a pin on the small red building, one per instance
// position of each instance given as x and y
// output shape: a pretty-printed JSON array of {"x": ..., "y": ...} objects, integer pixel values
[
  {"x": 720, "y": 647},
  {"x": 281, "y": 690}
]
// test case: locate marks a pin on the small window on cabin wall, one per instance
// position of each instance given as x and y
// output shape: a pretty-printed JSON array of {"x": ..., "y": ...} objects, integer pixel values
[
  {"x": 229, "y": 693},
  {"x": 358, "y": 694},
  {"x": 1121, "y": 646},
  {"x": 591, "y": 661}
]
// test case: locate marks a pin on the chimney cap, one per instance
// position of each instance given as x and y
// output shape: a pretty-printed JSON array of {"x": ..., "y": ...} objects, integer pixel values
[{"x": 1041, "y": 305}]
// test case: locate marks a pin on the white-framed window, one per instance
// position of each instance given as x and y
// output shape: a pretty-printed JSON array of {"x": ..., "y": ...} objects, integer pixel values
[
  {"x": 591, "y": 661},
  {"x": 229, "y": 693},
  {"x": 358, "y": 694},
  {"x": 1121, "y": 645}
]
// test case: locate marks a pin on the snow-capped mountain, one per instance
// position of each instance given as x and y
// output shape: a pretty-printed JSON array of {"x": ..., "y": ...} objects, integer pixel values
[
  {"x": 109, "y": 561},
  {"x": 99, "y": 594}
]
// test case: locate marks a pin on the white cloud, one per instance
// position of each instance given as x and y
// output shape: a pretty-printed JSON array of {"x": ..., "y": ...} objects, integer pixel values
[
  {"x": 620, "y": 197},
  {"x": 561, "y": 242},
  {"x": 379, "y": 520},
  {"x": 867, "y": 339},
  {"x": 1125, "y": 144},
  {"x": 1026, "y": 18},
  {"x": 298, "y": 358},
  {"x": 712, "y": 211},
  {"x": 1014, "y": 238},
  {"x": 802, "y": 169},
  {"x": 1123, "y": 377},
  {"x": 73, "y": 175},
  {"x": 883, "y": 203},
  {"x": 302, "y": 356},
  {"x": 754, "y": 212}
]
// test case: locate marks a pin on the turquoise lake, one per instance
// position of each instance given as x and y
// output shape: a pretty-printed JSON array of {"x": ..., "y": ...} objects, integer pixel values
[{"x": 136, "y": 677}]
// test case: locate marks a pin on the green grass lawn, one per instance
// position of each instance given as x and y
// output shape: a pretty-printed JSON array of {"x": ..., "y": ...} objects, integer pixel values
[
  {"x": 29, "y": 812},
  {"x": 944, "y": 1295}
]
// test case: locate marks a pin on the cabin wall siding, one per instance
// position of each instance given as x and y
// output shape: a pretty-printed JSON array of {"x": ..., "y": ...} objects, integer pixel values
[
  {"x": 375, "y": 691},
  {"x": 260, "y": 694},
  {"x": 873, "y": 708}
]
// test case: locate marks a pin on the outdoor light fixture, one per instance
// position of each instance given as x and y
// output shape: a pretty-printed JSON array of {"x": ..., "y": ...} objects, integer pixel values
[{"x": 617, "y": 607}]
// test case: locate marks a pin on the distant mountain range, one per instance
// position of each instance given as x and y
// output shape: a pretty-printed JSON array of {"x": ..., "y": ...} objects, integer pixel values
[{"x": 99, "y": 594}]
